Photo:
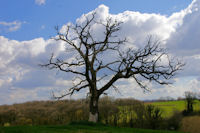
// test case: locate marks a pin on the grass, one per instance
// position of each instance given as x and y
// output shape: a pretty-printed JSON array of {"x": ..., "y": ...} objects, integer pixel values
[
  {"x": 191, "y": 124},
  {"x": 76, "y": 128},
  {"x": 169, "y": 107}
]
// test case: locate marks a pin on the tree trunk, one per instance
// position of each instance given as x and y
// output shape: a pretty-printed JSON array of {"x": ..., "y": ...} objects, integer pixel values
[{"x": 94, "y": 111}]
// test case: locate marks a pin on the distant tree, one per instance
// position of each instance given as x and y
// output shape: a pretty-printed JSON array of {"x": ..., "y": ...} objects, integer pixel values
[
  {"x": 167, "y": 98},
  {"x": 190, "y": 98},
  {"x": 88, "y": 65},
  {"x": 180, "y": 98},
  {"x": 198, "y": 96}
]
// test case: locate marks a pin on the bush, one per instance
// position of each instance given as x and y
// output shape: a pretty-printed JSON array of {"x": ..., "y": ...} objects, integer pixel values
[
  {"x": 108, "y": 110},
  {"x": 139, "y": 120},
  {"x": 174, "y": 122},
  {"x": 7, "y": 124},
  {"x": 24, "y": 121},
  {"x": 153, "y": 118}
]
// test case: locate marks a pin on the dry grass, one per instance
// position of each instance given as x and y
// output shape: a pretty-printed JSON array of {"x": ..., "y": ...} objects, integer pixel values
[{"x": 191, "y": 124}]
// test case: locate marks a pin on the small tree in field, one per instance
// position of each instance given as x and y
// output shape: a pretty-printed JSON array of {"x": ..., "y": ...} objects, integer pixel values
[
  {"x": 88, "y": 65},
  {"x": 190, "y": 98}
]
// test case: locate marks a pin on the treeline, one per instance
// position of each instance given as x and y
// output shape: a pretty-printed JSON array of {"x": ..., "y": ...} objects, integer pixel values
[{"x": 116, "y": 112}]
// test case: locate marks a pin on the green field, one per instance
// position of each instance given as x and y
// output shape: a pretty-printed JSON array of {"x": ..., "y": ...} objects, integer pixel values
[
  {"x": 75, "y": 129},
  {"x": 169, "y": 107}
]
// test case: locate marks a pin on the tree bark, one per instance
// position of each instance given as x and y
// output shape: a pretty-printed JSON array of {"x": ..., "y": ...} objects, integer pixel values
[{"x": 94, "y": 111}]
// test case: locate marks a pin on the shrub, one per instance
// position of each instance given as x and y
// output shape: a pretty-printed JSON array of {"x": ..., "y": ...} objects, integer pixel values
[
  {"x": 108, "y": 110},
  {"x": 7, "y": 124},
  {"x": 139, "y": 109},
  {"x": 174, "y": 122},
  {"x": 24, "y": 121},
  {"x": 153, "y": 118}
]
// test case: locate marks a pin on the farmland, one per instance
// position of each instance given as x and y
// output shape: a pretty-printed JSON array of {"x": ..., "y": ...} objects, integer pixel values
[{"x": 168, "y": 107}]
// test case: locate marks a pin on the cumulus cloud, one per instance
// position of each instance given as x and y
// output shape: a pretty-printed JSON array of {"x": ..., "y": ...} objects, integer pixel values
[
  {"x": 184, "y": 42},
  {"x": 20, "y": 73},
  {"x": 137, "y": 25},
  {"x": 186, "y": 37},
  {"x": 19, "y": 68},
  {"x": 40, "y": 2},
  {"x": 10, "y": 26}
]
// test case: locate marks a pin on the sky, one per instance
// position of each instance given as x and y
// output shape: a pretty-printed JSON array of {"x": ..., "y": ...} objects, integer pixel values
[{"x": 26, "y": 27}]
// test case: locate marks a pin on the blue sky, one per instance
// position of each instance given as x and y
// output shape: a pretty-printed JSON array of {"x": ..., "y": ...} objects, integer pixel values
[
  {"x": 39, "y": 20},
  {"x": 27, "y": 25}
]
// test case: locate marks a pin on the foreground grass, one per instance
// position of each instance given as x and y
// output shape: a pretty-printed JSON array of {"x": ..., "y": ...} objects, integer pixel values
[{"x": 76, "y": 128}]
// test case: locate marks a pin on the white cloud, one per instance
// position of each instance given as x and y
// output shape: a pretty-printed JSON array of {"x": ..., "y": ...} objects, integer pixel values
[
  {"x": 185, "y": 40},
  {"x": 11, "y": 26},
  {"x": 19, "y": 59},
  {"x": 40, "y": 2}
]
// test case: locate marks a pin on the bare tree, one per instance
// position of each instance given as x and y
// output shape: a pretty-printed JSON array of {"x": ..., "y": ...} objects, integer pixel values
[{"x": 88, "y": 66}]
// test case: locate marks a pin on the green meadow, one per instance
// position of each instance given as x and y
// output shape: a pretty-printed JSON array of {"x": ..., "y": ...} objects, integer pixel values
[
  {"x": 168, "y": 107},
  {"x": 76, "y": 129}
]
